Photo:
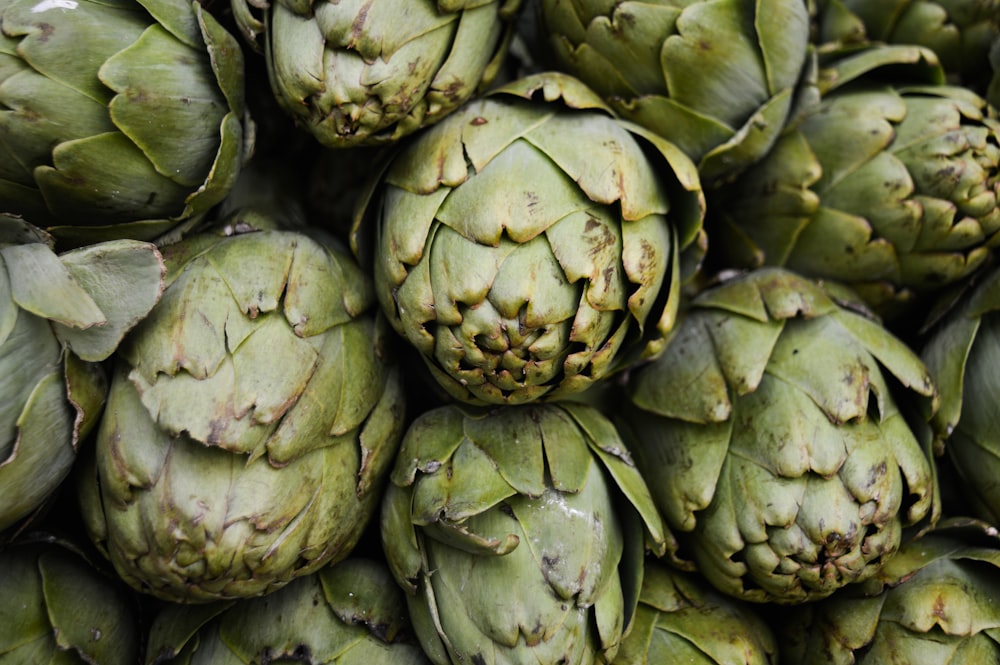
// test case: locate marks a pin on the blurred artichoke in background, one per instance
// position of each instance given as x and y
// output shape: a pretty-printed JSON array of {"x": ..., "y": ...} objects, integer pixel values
[
  {"x": 351, "y": 613},
  {"x": 117, "y": 119},
  {"x": 716, "y": 77},
  {"x": 774, "y": 434},
  {"x": 529, "y": 245},
  {"x": 958, "y": 31},
  {"x": 518, "y": 534},
  {"x": 60, "y": 315},
  {"x": 963, "y": 354},
  {"x": 682, "y": 619},
  {"x": 356, "y": 72},
  {"x": 891, "y": 187},
  {"x": 59, "y": 608},
  {"x": 252, "y": 417},
  {"x": 934, "y": 602}
]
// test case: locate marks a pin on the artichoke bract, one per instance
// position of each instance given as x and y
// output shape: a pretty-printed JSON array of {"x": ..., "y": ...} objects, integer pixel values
[
  {"x": 961, "y": 352},
  {"x": 60, "y": 316},
  {"x": 933, "y": 602},
  {"x": 251, "y": 420},
  {"x": 682, "y": 619},
  {"x": 530, "y": 244},
  {"x": 346, "y": 614},
  {"x": 120, "y": 119},
  {"x": 356, "y": 72},
  {"x": 518, "y": 533},
  {"x": 890, "y": 186},
  {"x": 61, "y": 608},
  {"x": 775, "y": 435},
  {"x": 958, "y": 31},
  {"x": 716, "y": 77}
]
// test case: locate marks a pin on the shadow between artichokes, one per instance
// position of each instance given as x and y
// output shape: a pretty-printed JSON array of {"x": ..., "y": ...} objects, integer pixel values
[
  {"x": 252, "y": 417},
  {"x": 531, "y": 244},
  {"x": 783, "y": 434}
]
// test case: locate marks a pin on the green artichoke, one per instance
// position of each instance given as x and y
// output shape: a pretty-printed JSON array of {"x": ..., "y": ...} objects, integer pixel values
[
  {"x": 528, "y": 245},
  {"x": 890, "y": 187},
  {"x": 251, "y": 420},
  {"x": 958, "y": 31},
  {"x": 682, "y": 619},
  {"x": 716, "y": 77},
  {"x": 356, "y": 72},
  {"x": 934, "y": 602},
  {"x": 347, "y": 614},
  {"x": 961, "y": 352},
  {"x": 775, "y": 435},
  {"x": 118, "y": 118},
  {"x": 518, "y": 534},
  {"x": 60, "y": 608},
  {"x": 60, "y": 315}
]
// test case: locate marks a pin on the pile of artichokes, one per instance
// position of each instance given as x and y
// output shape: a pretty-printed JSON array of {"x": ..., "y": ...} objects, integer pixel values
[{"x": 496, "y": 332}]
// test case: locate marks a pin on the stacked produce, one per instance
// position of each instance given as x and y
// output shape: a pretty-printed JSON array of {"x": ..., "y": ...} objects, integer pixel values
[{"x": 499, "y": 331}]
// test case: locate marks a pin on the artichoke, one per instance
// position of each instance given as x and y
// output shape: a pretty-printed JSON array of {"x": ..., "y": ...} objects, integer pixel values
[
  {"x": 117, "y": 119},
  {"x": 346, "y": 614},
  {"x": 60, "y": 316},
  {"x": 958, "y": 31},
  {"x": 934, "y": 602},
  {"x": 716, "y": 77},
  {"x": 356, "y": 72},
  {"x": 60, "y": 608},
  {"x": 528, "y": 245},
  {"x": 251, "y": 420},
  {"x": 783, "y": 435},
  {"x": 961, "y": 353},
  {"x": 682, "y": 619},
  {"x": 891, "y": 187},
  {"x": 517, "y": 533}
]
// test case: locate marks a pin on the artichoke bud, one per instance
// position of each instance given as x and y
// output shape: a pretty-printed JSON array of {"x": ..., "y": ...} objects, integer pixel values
[
  {"x": 251, "y": 420},
  {"x": 959, "y": 32},
  {"x": 782, "y": 435},
  {"x": 355, "y": 72},
  {"x": 889, "y": 184},
  {"x": 518, "y": 533},
  {"x": 60, "y": 316},
  {"x": 717, "y": 78},
  {"x": 961, "y": 352},
  {"x": 529, "y": 245},
  {"x": 933, "y": 602},
  {"x": 351, "y": 612},
  {"x": 136, "y": 135},
  {"x": 61, "y": 607},
  {"x": 681, "y": 618}
]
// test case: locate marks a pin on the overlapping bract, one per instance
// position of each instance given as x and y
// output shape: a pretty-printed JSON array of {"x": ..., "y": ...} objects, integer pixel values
[
  {"x": 351, "y": 613},
  {"x": 962, "y": 355},
  {"x": 518, "y": 533},
  {"x": 716, "y": 77},
  {"x": 682, "y": 619},
  {"x": 528, "y": 246},
  {"x": 60, "y": 608},
  {"x": 933, "y": 602},
  {"x": 251, "y": 419},
  {"x": 119, "y": 119},
  {"x": 891, "y": 188},
  {"x": 60, "y": 315},
  {"x": 356, "y": 72},
  {"x": 774, "y": 433}
]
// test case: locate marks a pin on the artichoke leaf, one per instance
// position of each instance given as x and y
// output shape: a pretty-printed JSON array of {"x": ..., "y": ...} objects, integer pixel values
[
  {"x": 428, "y": 445},
  {"x": 96, "y": 632},
  {"x": 25, "y": 620},
  {"x": 41, "y": 283},
  {"x": 515, "y": 446},
  {"x": 125, "y": 279}
]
